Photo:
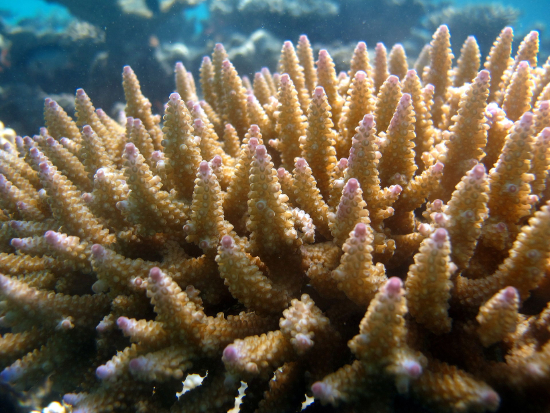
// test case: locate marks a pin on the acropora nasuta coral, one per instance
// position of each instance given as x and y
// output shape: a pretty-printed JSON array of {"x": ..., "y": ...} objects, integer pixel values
[{"x": 379, "y": 238}]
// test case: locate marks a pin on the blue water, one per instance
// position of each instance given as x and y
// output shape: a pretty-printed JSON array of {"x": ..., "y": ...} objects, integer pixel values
[
  {"x": 29, "y": 9},
  {"x": 533, "y": 11}
]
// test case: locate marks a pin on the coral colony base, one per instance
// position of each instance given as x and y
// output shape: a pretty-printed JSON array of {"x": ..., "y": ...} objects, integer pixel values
[{"x": 375, "y": 239}]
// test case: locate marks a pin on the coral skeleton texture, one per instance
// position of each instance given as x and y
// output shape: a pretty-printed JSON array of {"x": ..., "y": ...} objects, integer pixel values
[{"x": 378, "y": 239}]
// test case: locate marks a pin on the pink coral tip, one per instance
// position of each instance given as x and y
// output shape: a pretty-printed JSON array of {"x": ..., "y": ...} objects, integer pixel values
[
  {"x": 510, "y": 294},
  {"x": 123, "y": 323},
  {"x": 322, "y": 391},
  {"x": 440, "y": 235},
  {"x": 490, "y": 399},
  {"x": 227, "y": 242},
  {"x": 360, "y": 76},
  {"x": 393, "y": 286},
  {"x": 204, "y": 168},
  {"x": 199, "y": 124},
  {"x": 175, "y": 97},
  {"x": 360, "y": 230},
  {"x": 261, "y": 152},
  {"x": 343, "y": 163},
  {"x": 424, "y": 229},
  {"x": 412, "y": 368},
  {"x": 302, "y": 342},
  {"x": 301, "y": 164},
  {"x": 127, "y": 70},
  {"x": 130, "y": 149},
  {"x": 405, "y": 99},
  {"x": 478, "y": 171},
  {"x": 216, "y": 161},
  {"x": 523, "y": 65},
  {"x": 254, "y": 129},
  {"x": 17, "y": 243},
  {"x": 526, "y": 120},
  {"x": 138, "y": 364},
  {"x": 157, "y": 156},
  {"x": 396, "y": 190},
  {"x": 533, "y": 35},
  {"x": 394, "y": 80},
  {"x": 52, "y": 237},
  {"x": 484, "y": 76},
  {"x": 545, "y": 134},
  {"x": 438, "y": 167},
  {"x": 439, "y": 218},
  {"x": 156, "y": 274},
  {"x": 87, "y": 129},
  {"x": 319, "y": 91},
  {"x": 98, "y": 250},
  {"x": 368, "y": 121},
  {"x": 351, "y": 186},
  {"x": 44, "y": 167}
]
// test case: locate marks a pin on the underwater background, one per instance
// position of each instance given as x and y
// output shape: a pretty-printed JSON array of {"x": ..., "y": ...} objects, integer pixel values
[{"x": 50, "y": 48}]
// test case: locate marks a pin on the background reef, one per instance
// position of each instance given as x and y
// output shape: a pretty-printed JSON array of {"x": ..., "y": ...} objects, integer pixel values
[{"x": 53, "y": 54}]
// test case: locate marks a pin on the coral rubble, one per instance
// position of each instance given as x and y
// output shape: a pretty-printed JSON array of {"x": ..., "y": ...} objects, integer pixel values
[{"x": 373, "y": 239}]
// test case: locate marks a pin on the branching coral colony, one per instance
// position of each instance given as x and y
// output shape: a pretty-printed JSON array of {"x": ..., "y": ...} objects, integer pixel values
[{"x": 374, "y": 239}]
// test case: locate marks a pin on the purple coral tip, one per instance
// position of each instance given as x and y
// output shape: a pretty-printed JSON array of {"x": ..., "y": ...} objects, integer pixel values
[
  {"x": 230, "y": 354},
  {"x": 103, "y": 372},
  {"x": 10, "y": 374}
]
